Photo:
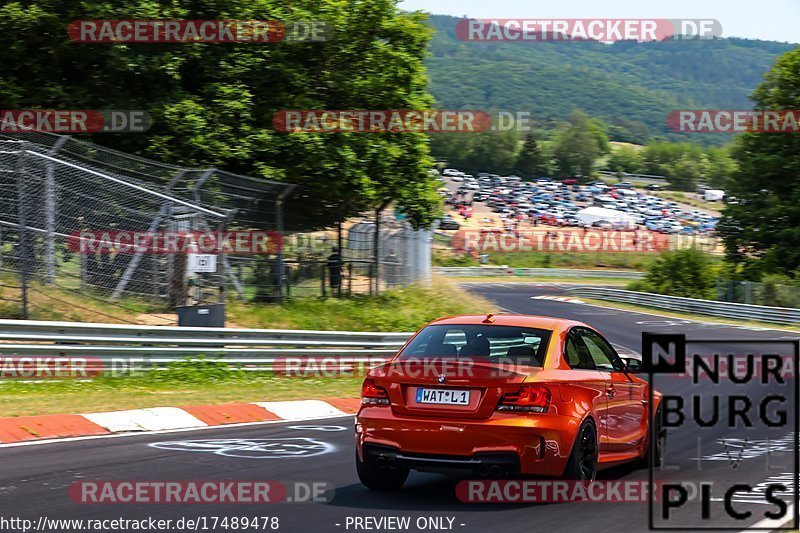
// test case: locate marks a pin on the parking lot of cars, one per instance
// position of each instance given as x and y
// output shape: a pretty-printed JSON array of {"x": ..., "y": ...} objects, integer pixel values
[{"x": 508, "y": 201}]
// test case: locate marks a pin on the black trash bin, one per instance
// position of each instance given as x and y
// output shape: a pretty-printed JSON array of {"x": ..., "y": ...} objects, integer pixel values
[{"x": 207, "y": 316}]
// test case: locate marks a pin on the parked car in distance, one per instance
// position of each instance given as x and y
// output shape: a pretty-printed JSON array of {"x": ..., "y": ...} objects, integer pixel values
[{"x": 448, "y": 223}]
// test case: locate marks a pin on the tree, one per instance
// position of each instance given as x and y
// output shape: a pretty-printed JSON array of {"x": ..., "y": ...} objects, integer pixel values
[
  {"x": 579, "y": 145},
  {"x": 718, "y": 167},
  {"x": 762, "y": 232},
  {"x": 688, "y": 273},
  {"x": 213, "y": 104},
  {"x": 678, "y": 162},
  {"x": 531, "y": 162},
  {"x": 625, "y": 159},
  {"x": 489, "y": 151}
]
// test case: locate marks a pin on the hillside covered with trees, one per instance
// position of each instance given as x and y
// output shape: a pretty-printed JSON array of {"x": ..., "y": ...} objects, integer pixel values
[{"x": 631, "y": 86}]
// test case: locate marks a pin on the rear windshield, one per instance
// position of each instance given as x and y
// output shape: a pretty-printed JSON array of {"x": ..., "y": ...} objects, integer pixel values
[{"x": 520, "y": 345}]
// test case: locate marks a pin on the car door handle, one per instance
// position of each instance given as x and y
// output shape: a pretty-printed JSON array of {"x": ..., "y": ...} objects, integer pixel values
[{"x": 611, "y": 392}]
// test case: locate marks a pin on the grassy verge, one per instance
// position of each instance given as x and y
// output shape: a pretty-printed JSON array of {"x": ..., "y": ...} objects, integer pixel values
[
  {"x": 689, "y": 316},
  {"x": 394, "y": 310},
  {"x": 621, "y": 261},
  {"x": 208, "y": 382},
  {"x": 686, "y": 198},
  {"x": 183, "y": 384},
  {"x": 68, "y": 303}
]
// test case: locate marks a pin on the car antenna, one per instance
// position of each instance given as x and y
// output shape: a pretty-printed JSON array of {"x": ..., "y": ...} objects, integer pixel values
[{"x": 489, "y": 319}]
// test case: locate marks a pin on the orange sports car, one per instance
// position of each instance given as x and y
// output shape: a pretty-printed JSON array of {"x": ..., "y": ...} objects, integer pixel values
[{"x": 504, "y": 395}]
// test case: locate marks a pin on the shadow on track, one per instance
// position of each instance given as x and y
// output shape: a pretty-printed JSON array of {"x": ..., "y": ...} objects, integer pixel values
[{"x": 436, "y": 492}]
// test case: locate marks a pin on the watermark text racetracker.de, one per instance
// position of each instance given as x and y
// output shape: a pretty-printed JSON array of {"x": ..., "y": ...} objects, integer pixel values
[
  {"x": 598, "y": 491},
  {"x": 734, "y": 121},
  {"x": 604, "y": 30},
  {"x": 73, "y": 121},
  {"x": 179, "y": 31},
  {"x": 206, "y": 492},
  {"x": 560, "y": 240},
  {"x": 51, "y": 367},
  {"x": 399, "y": 121},
  {"x": 240, "y": 242}
]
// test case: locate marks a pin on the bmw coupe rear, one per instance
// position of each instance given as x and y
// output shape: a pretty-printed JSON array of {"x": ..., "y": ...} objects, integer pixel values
[{"x": 502, "y": 396}]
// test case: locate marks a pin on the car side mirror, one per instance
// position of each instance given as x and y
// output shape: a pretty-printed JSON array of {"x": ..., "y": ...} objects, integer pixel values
[{"x": 633, "y": 366}]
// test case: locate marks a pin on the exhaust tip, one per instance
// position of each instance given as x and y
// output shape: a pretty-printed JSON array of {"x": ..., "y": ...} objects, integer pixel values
[
  {"x": 495, "y": 471},
  {"x": 483, "y": 470},
  {"x": 391, "y": 463},
  {"x": 380, "y": 462}
]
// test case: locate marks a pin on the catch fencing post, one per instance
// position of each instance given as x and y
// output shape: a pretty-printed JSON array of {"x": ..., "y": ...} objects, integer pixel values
[
  {"x": 22, "y": 221},
  {"x": 339, "y": 247},
  {"x": 279, "y": 228},
  {"x": 50, "y": 211}
]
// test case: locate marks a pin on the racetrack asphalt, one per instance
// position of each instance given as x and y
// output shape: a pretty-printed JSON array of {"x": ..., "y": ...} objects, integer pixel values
[{"x": 34, "y": 479}]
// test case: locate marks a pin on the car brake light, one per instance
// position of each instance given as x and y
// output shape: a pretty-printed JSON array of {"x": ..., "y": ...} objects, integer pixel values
[
  {"x": 530, "y": 398},
  {"x": 372, "y": 394}
]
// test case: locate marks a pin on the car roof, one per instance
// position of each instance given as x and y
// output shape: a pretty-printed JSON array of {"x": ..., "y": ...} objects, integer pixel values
[{"x": 530, "y": 321}]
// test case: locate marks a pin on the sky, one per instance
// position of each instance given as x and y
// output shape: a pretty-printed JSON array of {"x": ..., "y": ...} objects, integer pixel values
[{"x": 771, "y": 20}]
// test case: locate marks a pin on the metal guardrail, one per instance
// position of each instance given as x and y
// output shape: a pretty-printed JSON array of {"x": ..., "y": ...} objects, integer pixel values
[
  {"x": 777, "y": 315},
  {"x": 136, "y": 347},
  {"x": 536, "y": 272},
  {"x": 141, "y": 348}
]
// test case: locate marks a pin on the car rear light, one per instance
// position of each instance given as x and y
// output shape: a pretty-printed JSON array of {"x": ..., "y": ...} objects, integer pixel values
[
  {"x": 372, "y": 394},
  {"x": 530, "y": 398}
]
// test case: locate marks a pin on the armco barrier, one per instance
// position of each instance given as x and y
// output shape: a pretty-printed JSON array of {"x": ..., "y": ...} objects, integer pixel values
[
  {"x": 777, "y": 315},
  {"x": 535, "y": 272},
  {"x": 135, "y": 347}
]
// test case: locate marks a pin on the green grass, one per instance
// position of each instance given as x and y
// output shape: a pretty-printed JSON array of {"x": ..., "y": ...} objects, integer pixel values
[
  {"x": 683, "y": 198},
  {"x": 210, "y": 382},
  {"x": 612, "y": 260},
  {"x": 182, "y": 384},
  {"x": 622, "y": 261},
  {"x": 67, "y": 302},
  {"x": 392, "y": 310}
]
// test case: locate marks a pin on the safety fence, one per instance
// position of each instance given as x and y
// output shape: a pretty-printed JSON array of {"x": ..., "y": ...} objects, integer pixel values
[
  {"x": 29, "y": 349},
  {"x": 768, "y": 292},
  {"x": 123, "y": 347},
  {"x": 72, "y": 213},
  {"x": 777, "y": 315}
]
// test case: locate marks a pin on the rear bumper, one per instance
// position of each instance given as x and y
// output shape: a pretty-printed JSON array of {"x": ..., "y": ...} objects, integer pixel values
[
  {"x": 479, "y": 465},
  {"x": 535, "y": 444}
]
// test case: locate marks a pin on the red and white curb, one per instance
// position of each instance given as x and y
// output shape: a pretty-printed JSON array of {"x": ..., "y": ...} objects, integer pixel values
[
  {"x": 28, "y": 428},
  {"x": 559, "y": 299}
]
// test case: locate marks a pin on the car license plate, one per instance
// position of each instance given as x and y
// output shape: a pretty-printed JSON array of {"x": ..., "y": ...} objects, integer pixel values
[{"x": 443, "y": 396}]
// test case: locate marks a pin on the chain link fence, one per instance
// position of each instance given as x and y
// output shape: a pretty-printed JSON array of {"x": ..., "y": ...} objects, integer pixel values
[
  {"x": 62, "y": 199},
  {"x": 758, "y": 293}
]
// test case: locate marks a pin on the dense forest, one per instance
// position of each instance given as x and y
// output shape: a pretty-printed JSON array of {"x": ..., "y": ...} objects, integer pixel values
[{"x": 630, "y": 86}]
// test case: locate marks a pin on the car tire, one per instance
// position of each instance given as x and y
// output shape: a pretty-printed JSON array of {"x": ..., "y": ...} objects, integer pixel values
[
  {"x": 582, "y": 462},
  {"x": 660, "y": 433},
  {"x": 376, "y": 478}
]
